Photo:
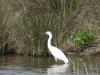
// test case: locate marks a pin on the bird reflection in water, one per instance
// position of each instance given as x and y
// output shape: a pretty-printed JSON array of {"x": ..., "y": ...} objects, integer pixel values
[{"x": 57, "y": 69}]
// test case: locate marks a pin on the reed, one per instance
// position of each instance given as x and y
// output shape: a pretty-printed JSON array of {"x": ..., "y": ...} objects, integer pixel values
[
  {"x": 79, "y": 66},
  {"x": 22, "y": 22}
]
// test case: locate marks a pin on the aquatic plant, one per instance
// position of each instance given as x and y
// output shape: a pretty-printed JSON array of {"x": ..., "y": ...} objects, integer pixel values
[{"x": 80, "y": 66}]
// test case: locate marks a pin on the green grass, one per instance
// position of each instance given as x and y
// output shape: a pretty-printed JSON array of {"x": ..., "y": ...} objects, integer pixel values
[{"x": 22, "y": 22}]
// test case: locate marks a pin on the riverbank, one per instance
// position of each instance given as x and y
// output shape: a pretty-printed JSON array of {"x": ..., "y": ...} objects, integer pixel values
[
  {"x": 88, "y": 16},
  {"x": 22, "y": 22}
]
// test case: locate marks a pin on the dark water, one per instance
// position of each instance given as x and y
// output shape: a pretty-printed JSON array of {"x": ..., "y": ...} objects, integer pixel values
[{"x": 24, "y": 65}]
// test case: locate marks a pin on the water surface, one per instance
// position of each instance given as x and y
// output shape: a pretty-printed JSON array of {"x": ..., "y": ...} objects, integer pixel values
[{"x": 25, "y": 65}]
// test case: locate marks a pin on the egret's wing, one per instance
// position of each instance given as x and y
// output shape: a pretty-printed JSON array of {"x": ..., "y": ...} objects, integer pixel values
[{"x": 57, "y": 52}]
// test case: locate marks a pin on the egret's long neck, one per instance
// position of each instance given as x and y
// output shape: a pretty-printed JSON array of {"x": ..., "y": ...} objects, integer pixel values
[{"x": 49, "y": 41}]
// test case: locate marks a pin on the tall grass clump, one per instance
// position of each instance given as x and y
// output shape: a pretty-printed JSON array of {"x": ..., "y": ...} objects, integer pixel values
[{"x": 22, "y": 23}]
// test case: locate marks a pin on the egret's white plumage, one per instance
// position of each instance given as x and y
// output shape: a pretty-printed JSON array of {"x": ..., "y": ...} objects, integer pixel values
[{"x": 58, "y": 54}]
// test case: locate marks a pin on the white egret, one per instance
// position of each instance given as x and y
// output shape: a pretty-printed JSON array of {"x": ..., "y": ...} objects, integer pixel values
[{"x": 57, "y": 53}]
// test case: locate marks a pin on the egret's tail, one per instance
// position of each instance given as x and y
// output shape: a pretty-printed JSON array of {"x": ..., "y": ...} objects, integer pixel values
[{"x": 66, "y": 61}]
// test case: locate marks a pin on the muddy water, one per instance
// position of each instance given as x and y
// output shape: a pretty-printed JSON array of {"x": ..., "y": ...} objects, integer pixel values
[{"x": 24, "y": 65}]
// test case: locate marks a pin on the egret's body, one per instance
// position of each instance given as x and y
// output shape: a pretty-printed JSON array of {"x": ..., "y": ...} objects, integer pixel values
[{"x": 58, "y": 54}]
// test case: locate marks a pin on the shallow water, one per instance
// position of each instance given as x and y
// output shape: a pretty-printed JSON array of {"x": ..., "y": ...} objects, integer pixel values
[{"x": 25, "y": 65}]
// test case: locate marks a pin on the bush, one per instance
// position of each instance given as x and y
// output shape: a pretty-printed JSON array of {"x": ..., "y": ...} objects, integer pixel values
[{"x": 84, "y": 36}]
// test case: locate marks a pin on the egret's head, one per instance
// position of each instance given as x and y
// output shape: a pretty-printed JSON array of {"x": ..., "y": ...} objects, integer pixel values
[{"x": 48, "y": 33}]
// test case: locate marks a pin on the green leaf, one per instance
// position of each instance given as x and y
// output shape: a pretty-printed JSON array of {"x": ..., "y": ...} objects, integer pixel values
[
  {"x": 82, "y": 36},
  {"x": 71, "y": 37},
  {"x": 82, "y": 42}
]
